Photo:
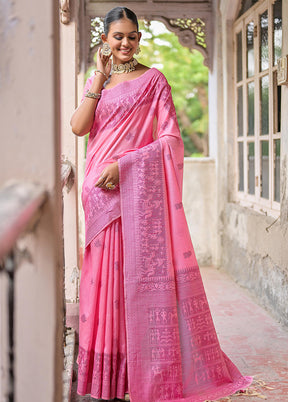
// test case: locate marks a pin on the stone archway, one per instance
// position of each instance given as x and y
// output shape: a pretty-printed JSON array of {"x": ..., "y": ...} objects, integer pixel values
[{"x": 191, "y": 21}]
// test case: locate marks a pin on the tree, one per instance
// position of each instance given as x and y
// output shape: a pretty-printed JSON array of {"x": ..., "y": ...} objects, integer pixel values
[{"x": 188, "y": 78}]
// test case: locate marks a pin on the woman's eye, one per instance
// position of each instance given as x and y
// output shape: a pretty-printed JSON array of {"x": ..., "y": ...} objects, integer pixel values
[{"x": 120, "y": 37}]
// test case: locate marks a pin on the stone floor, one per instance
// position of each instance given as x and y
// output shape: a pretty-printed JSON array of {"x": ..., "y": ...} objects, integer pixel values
[{"x": 252, "y": 339}]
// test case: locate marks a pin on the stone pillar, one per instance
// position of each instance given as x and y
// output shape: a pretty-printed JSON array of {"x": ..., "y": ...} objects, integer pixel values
[
  {"x": 84, "y": 46},
  {"x": 284, "y": 126},
  {"x": 221, "y": 110},
  {"x": 30, "y": 151},
  {"x": 81, "y": 170},
  {"x": 84, "y": 43},
  {"x": 73, "y": 39},
  {"x": 69, "y": 67},
  {"x": 216, "y": 126}
]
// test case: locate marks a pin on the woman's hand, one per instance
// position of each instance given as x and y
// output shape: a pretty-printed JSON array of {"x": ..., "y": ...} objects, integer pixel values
[
  {"x": 103, "y": 63},
  {"x": 109, "y": 175},
  {"x": 83, "y": 117}
]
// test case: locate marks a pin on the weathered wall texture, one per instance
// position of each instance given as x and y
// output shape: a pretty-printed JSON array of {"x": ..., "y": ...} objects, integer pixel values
[
  {"x": 257, "y": 258},
  {"x": 199, "y": 194}
]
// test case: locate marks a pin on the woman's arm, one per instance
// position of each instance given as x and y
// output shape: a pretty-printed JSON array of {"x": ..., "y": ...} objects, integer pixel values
[{"x": 83, "y": 117}]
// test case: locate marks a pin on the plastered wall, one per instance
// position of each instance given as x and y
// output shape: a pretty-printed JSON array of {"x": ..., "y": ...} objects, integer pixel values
[
  {"x": 199, "y": 200},
  {"x": 256, "y": 254}
]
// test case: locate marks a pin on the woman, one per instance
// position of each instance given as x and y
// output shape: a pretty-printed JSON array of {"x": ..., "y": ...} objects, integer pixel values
[{"x": 145, "y": 324}]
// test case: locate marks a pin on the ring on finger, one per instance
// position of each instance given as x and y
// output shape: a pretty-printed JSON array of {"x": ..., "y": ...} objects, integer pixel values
[{"x": 110, "y": 186}]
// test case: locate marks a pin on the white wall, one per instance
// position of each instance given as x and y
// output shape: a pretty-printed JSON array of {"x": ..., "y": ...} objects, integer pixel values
[{"x": 199, "y": 200}]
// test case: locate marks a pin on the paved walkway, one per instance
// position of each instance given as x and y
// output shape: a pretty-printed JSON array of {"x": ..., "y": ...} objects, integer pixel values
[{"x": 253, "y": 340}]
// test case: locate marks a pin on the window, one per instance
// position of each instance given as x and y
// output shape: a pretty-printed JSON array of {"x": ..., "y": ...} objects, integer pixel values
[{"x": 258, "y": 45}]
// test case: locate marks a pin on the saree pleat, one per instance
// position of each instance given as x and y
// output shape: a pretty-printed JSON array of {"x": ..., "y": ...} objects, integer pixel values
[{"x": 102, "y": 363}]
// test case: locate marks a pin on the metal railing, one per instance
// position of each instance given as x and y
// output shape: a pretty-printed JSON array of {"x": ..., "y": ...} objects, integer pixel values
[{"x": 20, "y": 209}]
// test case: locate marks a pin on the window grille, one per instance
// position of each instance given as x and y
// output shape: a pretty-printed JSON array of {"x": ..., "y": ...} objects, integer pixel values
[{"x": 258, "y": 45}]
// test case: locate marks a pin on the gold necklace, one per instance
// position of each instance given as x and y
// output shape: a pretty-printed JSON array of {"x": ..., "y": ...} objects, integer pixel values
[{"x": 124, "y": 68}]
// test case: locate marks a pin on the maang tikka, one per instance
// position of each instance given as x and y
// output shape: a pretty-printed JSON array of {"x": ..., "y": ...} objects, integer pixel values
[{"x": 106, "y": 51}]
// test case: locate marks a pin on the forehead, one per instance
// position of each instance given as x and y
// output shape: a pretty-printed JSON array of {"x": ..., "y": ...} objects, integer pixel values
[{"x": 124, "y": 25}]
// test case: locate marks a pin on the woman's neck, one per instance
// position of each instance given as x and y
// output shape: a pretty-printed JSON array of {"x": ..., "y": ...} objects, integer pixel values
[{"x": 117, "y": 62}]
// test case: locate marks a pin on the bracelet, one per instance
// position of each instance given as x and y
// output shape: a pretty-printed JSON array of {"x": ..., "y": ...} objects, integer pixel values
[
  {"x": 99, "y": 71},
  {"x": 92, "y": 95}
]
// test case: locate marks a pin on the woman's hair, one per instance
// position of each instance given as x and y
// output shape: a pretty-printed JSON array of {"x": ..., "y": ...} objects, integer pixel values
[{"x": 117, "y": 14}]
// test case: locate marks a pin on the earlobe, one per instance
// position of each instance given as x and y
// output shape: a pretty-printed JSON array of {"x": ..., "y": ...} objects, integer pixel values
[{"x": 103, "y": 37}]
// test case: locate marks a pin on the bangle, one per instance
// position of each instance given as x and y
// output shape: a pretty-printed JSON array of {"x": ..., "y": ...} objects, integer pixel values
[
  {"x": 92, "y": 95},
  {"x": 99, "y": 71}
]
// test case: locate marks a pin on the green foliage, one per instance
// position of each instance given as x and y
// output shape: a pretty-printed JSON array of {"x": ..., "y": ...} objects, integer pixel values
[{"x": 188, "y": 78}]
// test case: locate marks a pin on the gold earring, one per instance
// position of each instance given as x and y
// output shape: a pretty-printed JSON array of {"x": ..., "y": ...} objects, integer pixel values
[
  {"x": 138, "y": 50},
  {"x": 106, "y": 51}
]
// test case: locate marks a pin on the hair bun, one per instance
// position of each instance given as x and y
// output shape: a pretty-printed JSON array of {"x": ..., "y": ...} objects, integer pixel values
[{"x": 118, "y": 13}]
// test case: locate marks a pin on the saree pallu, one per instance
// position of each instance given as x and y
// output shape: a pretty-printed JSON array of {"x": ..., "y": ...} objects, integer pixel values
[{"x": 167, "y": 340}]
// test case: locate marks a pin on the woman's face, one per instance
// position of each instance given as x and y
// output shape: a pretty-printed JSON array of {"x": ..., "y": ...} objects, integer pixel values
[{"x": 123, "y": 40}]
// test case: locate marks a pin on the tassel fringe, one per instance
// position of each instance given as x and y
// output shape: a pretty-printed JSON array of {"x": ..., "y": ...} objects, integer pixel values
[{"x": 250, "y": 391}]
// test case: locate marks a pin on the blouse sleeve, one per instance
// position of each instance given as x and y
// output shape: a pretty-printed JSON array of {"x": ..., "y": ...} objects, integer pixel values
[{"x": 87, "y": 87}]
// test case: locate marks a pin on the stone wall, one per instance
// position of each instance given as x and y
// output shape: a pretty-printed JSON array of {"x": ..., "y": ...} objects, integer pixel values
[{"x": 256, "y": 256}]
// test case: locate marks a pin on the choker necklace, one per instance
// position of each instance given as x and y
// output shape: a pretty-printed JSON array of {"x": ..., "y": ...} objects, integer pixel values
[{"x": 124, "y": 68}]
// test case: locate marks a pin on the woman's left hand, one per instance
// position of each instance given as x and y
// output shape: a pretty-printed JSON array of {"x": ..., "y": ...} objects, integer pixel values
[{"x": 109, "y": 177}]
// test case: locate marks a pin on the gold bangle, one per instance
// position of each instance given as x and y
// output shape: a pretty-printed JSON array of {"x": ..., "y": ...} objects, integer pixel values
[
  {"x": 99, "y": 71},
  {"x": 92, "y": 95}
]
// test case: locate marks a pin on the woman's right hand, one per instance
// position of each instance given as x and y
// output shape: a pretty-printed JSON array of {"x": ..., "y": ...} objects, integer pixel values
[
  {"x": 109, "y": 175},
  {"x": 103, "y": 63}
]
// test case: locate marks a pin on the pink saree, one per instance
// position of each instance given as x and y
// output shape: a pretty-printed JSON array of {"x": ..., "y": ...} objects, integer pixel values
[{"x": 145, "y": 324}]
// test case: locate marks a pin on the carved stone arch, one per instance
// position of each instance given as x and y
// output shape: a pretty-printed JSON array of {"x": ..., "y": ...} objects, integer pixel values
[
  {"x": 191, "y": 33},
  {"x": 191, "y": 21}
]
